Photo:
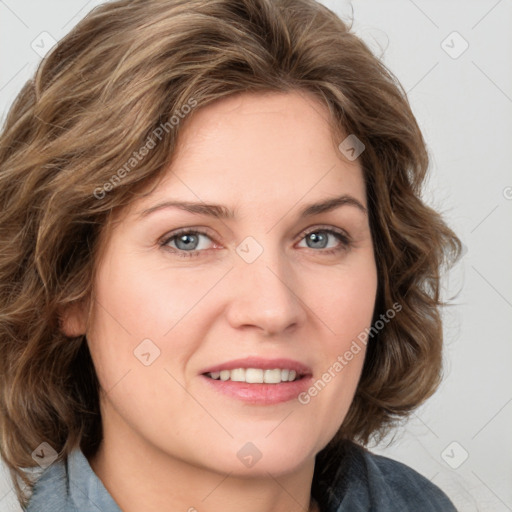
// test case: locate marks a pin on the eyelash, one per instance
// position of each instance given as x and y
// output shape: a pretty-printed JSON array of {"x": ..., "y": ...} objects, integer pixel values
[{"x": 341, "y": 236}]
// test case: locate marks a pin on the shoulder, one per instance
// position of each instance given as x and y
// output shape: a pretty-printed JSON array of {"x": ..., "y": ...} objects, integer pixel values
[
  {"x": 51, "y": 491},
  {"x": 405, "y": 485},
  {"x": 356, "y": 480},
  {"x": 70, "y": 485}
]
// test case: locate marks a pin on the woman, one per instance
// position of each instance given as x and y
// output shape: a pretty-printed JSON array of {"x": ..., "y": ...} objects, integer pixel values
[{"x": 218, "y": 279}]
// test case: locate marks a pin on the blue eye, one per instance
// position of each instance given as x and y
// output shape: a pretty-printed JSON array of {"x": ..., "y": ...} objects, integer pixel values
[
  {"x": 320, "y": 238},
  {"x": 185, "y": 242}
]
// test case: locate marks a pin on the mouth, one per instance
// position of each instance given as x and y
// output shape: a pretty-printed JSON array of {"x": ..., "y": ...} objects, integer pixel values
[{"x": 259, "y": 381}]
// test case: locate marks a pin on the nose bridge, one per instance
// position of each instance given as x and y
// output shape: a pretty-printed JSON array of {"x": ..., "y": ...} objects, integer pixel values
[{"x": 264, "y": 287}]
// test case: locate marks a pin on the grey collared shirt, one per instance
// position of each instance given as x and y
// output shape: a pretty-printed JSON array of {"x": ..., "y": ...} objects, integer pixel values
[
  {"x": 71, "y": 486},
  {"x": 362, "y": 482}
]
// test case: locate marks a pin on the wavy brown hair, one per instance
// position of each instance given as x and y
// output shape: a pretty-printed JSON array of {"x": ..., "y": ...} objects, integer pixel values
[{"x": 97, "y": 97}]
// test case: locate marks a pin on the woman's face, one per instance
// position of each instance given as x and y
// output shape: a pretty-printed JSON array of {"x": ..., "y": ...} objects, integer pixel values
[{"x": 266, "y": 282}]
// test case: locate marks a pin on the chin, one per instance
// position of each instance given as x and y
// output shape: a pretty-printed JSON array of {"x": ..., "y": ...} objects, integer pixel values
[{"x": 262, "y": 454}]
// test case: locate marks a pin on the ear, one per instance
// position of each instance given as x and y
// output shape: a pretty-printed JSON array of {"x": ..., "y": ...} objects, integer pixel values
[{"x": 73, "y": 319}]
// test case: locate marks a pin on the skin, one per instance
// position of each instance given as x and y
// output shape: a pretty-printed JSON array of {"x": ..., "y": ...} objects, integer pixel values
[{"x": 170, "y": 442}]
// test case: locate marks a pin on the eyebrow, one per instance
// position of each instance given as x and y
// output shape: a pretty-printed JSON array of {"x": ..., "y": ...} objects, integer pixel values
[{"x": 222, "y": 212}]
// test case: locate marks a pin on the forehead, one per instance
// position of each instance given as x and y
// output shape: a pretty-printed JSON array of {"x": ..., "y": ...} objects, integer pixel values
[{"x": 259, "y": 148}]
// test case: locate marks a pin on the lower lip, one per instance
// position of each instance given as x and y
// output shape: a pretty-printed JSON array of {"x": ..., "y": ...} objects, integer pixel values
[{"x": 260, "y": 394}]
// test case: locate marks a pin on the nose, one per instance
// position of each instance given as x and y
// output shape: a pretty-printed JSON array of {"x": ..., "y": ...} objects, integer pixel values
[{"x": 265, "y": 295}]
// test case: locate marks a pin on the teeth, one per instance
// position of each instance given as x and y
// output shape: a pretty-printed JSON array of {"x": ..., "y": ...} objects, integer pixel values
[
  {"x": 255, "y": 375},
  {"x": 271, "y": 376},
  {"x": 238, "y": 375}
]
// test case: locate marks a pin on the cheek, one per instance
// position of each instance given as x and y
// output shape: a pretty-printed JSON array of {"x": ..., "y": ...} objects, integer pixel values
[
  {"x": 346, "y": 309},
  {"x": 137, "y": 300},
  {"x": 145, "y": 313},
  {"x": 346, "y": 302}
]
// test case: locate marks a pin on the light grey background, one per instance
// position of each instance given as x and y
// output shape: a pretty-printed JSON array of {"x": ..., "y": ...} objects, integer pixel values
[{"x": 463, "y": 102}]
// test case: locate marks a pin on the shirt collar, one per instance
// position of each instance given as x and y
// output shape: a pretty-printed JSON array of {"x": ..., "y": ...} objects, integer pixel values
[{"x": 86, "y": 489}]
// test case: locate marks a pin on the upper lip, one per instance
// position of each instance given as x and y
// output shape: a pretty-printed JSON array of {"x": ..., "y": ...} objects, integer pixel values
[{"x": 264, "y": 364}]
